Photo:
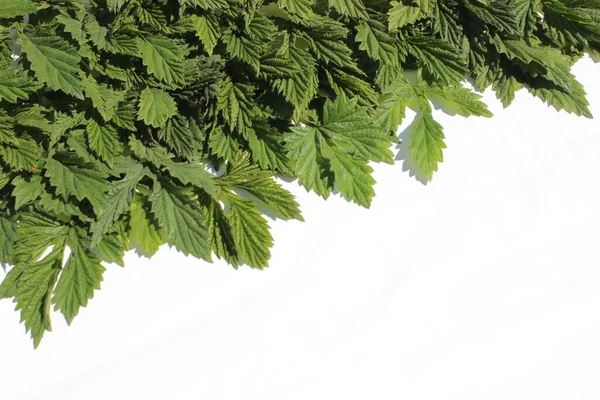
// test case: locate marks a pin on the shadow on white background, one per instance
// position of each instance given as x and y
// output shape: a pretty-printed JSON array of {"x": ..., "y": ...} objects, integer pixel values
[{"x": 482, "y": 285}]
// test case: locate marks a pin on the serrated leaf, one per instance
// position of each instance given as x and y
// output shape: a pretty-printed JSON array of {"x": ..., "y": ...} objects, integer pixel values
[
  {"x": 459, "y": 100},
  {"x": 78, "y": 280},
  {"x": 275, "y": 197},
  {"x": 118, "y": 201},
  {"x": 351, "y": 127},
  {"x": 77, "y": 181},
  {"x": 573, "y": 101},
  {"x": 250, "y": 232},
  {"x": 179, "y": 137},
  {"x": 15, "y": 85},
  {"x": 401, "y": 15},
  {"x": 426, "y": 144},
  {"x": 8, "y": 236},
  {"x": 27, "y": 190},
  {"x": 111, "y": 249},
  {"x": 33, "y": 294},
  {"x": 379, "y": 45},
  {"x": 268, "y": 150},
  {"x": 54, "y": 61},
  {"x": 16, "y": 8},
  {"x": 439, "y": 59},
  {"x": 243, "y": 48},
  {"x": 163, "y": 57},
  {"x": 301, "y": 8},
  {"x": 103, "y": 140},
  {"x": 156, "y": 107},
  {"x": 194, "y": 174},
  {"x": 220, "y": 235},
  {"x": 505, "y": 89},
  {"x": 23, "y": 154},
  {"x": 352, "y": 175},
  {"x": 104, "y": 99},
  {"x": 182, "y": 221},
  {"x": 143, "y": 234},
  {"x": 235, "y": 105},
  {"x": 392, "y": 107},
  {"x": 309, "y": 166},
  {"x": 351, "y": 8},
  {"x": 208, "y": 31}
]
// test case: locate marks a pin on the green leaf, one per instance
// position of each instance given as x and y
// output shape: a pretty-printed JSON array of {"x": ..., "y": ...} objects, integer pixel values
[
  {"x": 118, "y": 201},
  {"x": 219, "y": 234},
  {"x": 250, "y": 232},
  {"x": 179, "y": 136},
  {"x": 401, "y": 15},
  {"x": 301, "y": 8},
  {"x": 351, "y": 127},
  {"x": 163, "y": 57},
  {"x": 505, "y": 89},
  {"x": 208, "y": 31},
  {"x": 111, "y": 249},
  {"x": 156, "y": 107},
  {"x": 268, "y": 149},
  {"x": 16, "y": 8},
  {"x": 426, "y": 144},
  {"x": 573, "y": 101},
  {"x": 15, "y": 85},
  {"x": 392, "y": 106},
  {"x": 459, "y": 100},
  {"x": 103, "y": 140},
  {"x": 33, "y": 294},
  {"x": 299, "y": 89},
  {"x": 182, "y": 221},
  {"x": 309, "y": 166},
  {"x": 24, "y": 154},
  {"x": 8, "y": 286},
  {"x": 194, "y": 174},
  {"x": 78, "y": 181},
  {"x": 379, "y": 45},
  {"x": 144, "y": 234},
  {"x": 235, "y": 105},
  {"x": 54, "y": 61},
  {"x": 243, "y": 48},
  {"x": 351, "y": 8},
  {"x": 352, "y": 175},
  {"x": 439, "y": 59},
  {"x": 8, "y": 237},
  {"x": 78, "y": 280},
  {"x": 498, "y": 14},
  {"x": 105, "y": 100},
  {"x": 273, "y": 196},
  {"x": 28, "y": 190}
]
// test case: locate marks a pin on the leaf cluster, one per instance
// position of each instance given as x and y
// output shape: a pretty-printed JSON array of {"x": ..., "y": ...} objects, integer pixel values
[{"x": 130, "y": 124}]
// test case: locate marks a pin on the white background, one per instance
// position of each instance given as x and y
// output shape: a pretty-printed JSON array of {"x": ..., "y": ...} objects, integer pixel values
[{"x": 484, "y": 284}]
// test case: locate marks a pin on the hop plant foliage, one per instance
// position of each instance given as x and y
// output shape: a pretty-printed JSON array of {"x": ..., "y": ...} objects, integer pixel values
[{"x": 128, "y": 124}]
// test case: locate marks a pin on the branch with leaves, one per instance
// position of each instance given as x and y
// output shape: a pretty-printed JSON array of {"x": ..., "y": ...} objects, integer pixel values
[{"x": 129, "y": 124}]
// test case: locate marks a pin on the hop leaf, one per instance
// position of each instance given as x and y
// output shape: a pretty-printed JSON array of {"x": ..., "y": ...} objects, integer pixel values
[
  {"x": 156, "y": 107},
  {"x": 54, "y": 61}
]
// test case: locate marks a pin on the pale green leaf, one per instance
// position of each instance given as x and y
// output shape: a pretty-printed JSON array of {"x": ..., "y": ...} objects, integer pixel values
[
  {"x": 426, "y": 144},
  {"x": 144, "y": 234},
  {"x": 156, "y": 107},
  {"x": 459, "y": 100},
  {"x": 250, "y": 232},
  {"x": 16, "y": 8}
]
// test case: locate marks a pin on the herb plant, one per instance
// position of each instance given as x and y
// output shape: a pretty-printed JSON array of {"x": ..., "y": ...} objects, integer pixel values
[{"x": 128, "y": 124}]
